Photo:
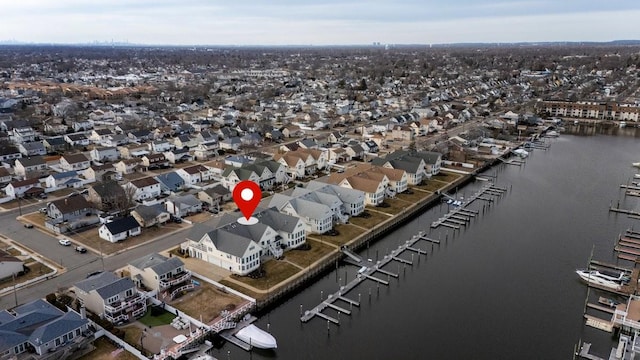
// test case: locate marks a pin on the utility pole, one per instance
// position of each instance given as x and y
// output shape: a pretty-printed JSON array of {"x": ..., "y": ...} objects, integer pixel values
[{"x": 15, "y": 293}]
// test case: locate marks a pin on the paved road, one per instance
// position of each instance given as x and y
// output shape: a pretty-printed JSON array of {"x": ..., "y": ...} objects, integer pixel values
[{"x": 77, "y": 265}]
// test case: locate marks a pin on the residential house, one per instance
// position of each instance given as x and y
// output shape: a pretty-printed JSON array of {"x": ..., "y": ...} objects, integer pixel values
[
  {"x": 5, "y": 175},
  {"x": 23, "y": 188},
  {"x": 128, "y": 166},
  {"x": 9, "y": 265},
  {"x": 277, "y": 169},
  {"x": 185, "y": 141},
  {"x": 145, "y": 188},
  {"x": 295, "y": 166},
  {"x": 317, "y": 217},
  {"x": 413, "y": 166},
  {"x": 82, "y": 125},
  {"x": 178, "y": 156},
  {"x": 181, "y": 206},
  {"x": 206, "y": 150},
  {"x": 104, "y": 154},
  {"x": 33, "y": 148},
  {"x": 53, "y": 128},
  {"x": 133, "y": 151},
  {"x": 194, "y": 174},
  {"x": 308, "y": 144},
  {"x": 70, "y": 162},
  {"x": 55, "y": 145},
  {"x": 23, "y": 134},
  {"x": 100, "y": 172},
  {"x": 67, "y": 179},
  {"x": 69, "y": 208},
  {"x": 232, "y": 143},
  {"x": 100, "y": 135},
  {"x": 155, "y": 161},
  {"x": 156, "y": 272},
  {"x": 355, "y": 151},
  {"x": 115, "y": 140},
  {"x": 148, "y": 216},
  {"x": 337, "y": 155},
  {"x": 214, "y": 196},
  {"x": 119, "y": 229},
  {"x": 9, "y": 152},
  {"x": 76, "y": 140},
  {"x": 335, "y": 137},
  {"x": 432, "y": 161},
  {"x": 139, "y": 135},
  {"x": 170, "y": 182},
  {"x": 113, "y": 298},
  {"x": 43, "y": 329},
  {"x": 107, "y": 196},
  {"x": 160, "y": 146},
  {"x": 291, "y": 130},
  {"x": 30, "y": 167},
  {"x": 232, "y": 176}
]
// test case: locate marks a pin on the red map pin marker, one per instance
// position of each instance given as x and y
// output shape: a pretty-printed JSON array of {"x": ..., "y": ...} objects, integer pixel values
[{"x": 247, "y": 195}]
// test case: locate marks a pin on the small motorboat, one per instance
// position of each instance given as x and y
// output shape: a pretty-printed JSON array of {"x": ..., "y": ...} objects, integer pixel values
[
  {"x": 257, "y": 337},
  {"x": 636, "y": 164}
]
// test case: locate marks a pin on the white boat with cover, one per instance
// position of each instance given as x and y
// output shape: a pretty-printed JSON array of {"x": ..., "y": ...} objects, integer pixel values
[
  {"x": 257, "y": 337},
  {"x": 596, "y": 278}
]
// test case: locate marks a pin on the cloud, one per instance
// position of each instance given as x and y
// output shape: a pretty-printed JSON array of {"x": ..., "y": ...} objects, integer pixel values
[{"x": 283, "y": 22}]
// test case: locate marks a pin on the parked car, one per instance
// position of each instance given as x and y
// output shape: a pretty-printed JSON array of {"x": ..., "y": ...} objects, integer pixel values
[
  {"x": 28, "y": 225},
  {"x": 81, "y": 249},
  {"x": 64, "y": 242},
  {"x": 43, "y": 210},
  {"x": 43, "y": 196}
]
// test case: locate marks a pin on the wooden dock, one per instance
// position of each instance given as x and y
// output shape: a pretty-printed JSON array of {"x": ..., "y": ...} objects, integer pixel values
[
  {"x": 367, "y": 269},
  {"x": 584, "y": 352},
  {"x": 624, "y": 211},
  {"x": 461, "y": 216},
  {"x": 229, "y": 334}
]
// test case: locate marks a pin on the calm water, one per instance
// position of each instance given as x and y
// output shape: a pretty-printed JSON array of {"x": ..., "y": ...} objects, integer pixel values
[{"x": 503, "y": 289}]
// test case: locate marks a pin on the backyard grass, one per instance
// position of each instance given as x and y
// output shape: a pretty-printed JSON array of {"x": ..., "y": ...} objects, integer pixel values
[
  {"x": 132, "y": 334},
  {"x": 206, "y": 301},
  {"x": 413, "y": 198},
  {"x": 105, "y": 350},
  {"x": 395, "y": 206},
  {"x": 275, "y": 272},
  {"x": 432, "y": 185},
  {"x": 368, "y": 223},
  {"x": 446, "y": 176},
  {"x": 237, "y": 287},
  {"x": 347, "y": 232},
  {"x": 304, "y": 258},
  {"x": 163, "y": 319}
]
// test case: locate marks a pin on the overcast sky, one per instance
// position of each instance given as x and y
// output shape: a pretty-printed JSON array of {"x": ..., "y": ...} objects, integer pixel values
[{"x": 317, "y": 22}]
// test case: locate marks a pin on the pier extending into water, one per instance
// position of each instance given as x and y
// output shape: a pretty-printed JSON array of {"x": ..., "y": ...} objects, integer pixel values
[
  {"x": 367, "y": 270},
  {"x": 461, "y": 216}
]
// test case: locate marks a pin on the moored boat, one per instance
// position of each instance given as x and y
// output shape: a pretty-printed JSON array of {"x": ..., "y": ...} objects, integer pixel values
[
  {"x": 257, "y": 337},
  {"x": 636, "y": 164},
  {"x": 594, "y": 277}
]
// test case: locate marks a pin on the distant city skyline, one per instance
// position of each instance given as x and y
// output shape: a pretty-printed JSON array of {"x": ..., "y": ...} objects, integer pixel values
[{"x": 316, "y": 22}]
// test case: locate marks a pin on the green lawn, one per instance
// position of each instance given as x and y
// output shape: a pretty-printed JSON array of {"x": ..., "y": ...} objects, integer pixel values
[{"x": 163, "y": 319}]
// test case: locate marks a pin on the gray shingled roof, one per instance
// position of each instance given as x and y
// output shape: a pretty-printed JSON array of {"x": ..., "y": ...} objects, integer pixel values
[
  {"x": 229, "y": 243},
  {"x": 158, "y": 263},
  {"x": 277, "y": 220},
  {"x": 57, "y": 328}
]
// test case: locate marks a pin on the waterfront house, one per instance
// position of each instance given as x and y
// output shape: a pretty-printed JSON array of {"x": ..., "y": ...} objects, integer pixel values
[
  {"x": 41, "y": 328},
  {"x": 119, "y": 229},
  {"x": 156, "y": 272},
  {"x": 115, "y": 299}
]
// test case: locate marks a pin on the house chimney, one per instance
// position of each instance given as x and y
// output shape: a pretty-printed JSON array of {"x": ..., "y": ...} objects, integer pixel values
[{"x": 83, "y": 312}]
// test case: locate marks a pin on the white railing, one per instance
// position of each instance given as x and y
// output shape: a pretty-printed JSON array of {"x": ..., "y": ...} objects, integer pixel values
[
  {"x": 181, "y": 288},
  {"x": 177, "y": 280},
  {"x": 136, "y": 299},
  {"x": 275, "y": 251}
]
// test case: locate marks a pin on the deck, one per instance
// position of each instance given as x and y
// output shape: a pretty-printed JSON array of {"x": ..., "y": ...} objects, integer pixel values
[{"x": 461, "y": 216}]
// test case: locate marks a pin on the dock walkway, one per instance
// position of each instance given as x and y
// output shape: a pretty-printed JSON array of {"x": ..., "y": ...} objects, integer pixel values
[
  {"x": 461, "y": 216},
  {"x": 367, "y": 270}
]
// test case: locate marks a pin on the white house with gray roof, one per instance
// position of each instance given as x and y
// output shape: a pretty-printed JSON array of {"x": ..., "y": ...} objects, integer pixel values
[
  {"x": 110, "y": 297},
  {"x": 157, "y": 272},
  {"x": 240, "y": 248},
  {"x": 41, "y": 326},
  {"x": 318, "y": 217}
]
